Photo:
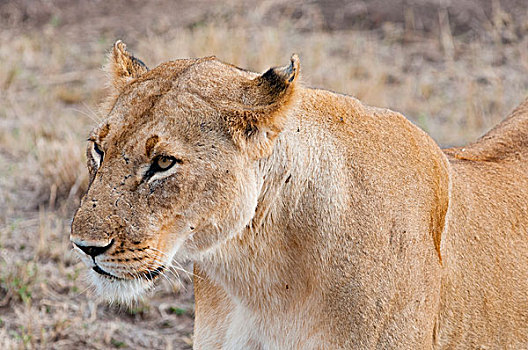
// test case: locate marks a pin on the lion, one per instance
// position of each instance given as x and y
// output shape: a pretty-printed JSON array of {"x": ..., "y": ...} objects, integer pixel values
[{"x": 313, "y": 221}]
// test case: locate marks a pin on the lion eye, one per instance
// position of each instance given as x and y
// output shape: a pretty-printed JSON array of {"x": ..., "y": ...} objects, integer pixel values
[
  {"x": 164, "y": 163},
  {"x": 98, "y": 154},
  {"x": 161, "y": 164}
]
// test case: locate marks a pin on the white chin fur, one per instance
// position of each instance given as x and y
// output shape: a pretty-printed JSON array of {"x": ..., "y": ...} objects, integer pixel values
[{"x": 125, "y": 292}]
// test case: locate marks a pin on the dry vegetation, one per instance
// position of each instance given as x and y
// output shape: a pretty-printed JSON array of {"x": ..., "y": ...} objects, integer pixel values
[{"x": 452, "y": 80}]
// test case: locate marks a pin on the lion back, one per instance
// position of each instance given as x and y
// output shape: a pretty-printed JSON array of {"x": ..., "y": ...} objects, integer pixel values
[{"x": 508, "y": 141}]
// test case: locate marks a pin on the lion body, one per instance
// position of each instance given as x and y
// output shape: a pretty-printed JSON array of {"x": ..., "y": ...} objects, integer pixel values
[
  {"x": 313, "y": 220},
  {"x": 460, "y": 285}
]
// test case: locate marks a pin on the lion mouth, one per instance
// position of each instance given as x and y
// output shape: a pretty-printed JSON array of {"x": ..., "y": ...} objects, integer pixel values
[
  {"x": 100, "y": 271},
  {"x": 149, "y": 275}
]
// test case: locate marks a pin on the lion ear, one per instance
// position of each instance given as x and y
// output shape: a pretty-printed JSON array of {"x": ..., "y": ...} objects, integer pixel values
[
  {"x": 272, "y": 96},
  {"x": 124, "y": 67},
  {"x": 276, "y": 81}
]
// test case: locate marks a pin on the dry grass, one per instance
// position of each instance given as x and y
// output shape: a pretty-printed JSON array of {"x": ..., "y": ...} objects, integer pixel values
[{"x": 51, "y": 84}]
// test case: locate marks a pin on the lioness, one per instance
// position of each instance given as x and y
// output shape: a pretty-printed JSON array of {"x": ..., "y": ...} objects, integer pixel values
[{"x": 313, "y": 221}]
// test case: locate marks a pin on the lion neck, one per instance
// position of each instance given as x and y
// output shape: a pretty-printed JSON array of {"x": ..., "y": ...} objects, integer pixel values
[{"x": 278, "y": 258}]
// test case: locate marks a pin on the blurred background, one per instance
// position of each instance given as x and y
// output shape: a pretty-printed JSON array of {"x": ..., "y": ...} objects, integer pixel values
[{"x": 453, "y": 67}]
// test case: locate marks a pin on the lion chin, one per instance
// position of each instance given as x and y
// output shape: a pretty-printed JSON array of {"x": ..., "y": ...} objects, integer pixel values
[{"x": 120, "y": 291}]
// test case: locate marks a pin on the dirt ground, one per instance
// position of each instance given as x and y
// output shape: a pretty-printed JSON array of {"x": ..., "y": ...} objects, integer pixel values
[{"x": 455, "y": 68}]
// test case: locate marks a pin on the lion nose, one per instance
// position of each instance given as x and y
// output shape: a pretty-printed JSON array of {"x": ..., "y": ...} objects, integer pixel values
[{"x": 93, "y": 250}]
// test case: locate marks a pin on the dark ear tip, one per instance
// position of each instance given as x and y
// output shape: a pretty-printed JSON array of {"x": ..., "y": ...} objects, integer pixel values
[
  {"x": 281, "y": 77},
  {"x": 295, "y": 62},
  {"x": 292, "y": 71},
  {"x": 289, "y": 73}
]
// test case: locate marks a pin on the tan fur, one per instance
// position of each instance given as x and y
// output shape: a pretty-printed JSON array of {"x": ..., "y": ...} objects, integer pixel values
[{"x": 314, "y": 221}]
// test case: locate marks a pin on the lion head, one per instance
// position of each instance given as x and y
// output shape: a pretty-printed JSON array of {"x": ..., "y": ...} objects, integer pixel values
[{"x": 172, "y": 165}]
